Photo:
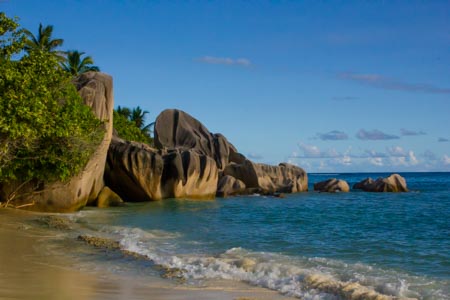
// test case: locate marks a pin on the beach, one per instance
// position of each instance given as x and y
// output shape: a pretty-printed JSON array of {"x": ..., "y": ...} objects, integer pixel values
[{"x": 30, "y": 270}]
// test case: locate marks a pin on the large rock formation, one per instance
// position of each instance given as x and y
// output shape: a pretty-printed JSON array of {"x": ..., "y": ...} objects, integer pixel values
[
  {"x": 332, "y": 185},
  {"x": 134, "y": 170},
  {"x": 96, "y": 89},
  {"x": 229, "y": 186},
  {"x": 188, "y": 174},
  {"x": 284, "y": 178},
  {"x": 138, "y": 172},
  {"x": 175, "y": 129},
  {"x": 187, "y": 164},
  {"x": 393, "y": 183}
]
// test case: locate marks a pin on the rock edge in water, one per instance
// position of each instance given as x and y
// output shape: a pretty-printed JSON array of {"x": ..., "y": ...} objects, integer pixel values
[
  {"x": 394, "y": 183},
  {"x": 332, "y": 185}
]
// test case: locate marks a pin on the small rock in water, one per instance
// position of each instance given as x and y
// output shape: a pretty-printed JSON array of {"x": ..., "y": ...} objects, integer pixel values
[
  {"x": 394, "y": 183},
  {"x": 332, "y": 185},
  {"x": 55, "y": 222},
  {"x": 99, "y": 242}
]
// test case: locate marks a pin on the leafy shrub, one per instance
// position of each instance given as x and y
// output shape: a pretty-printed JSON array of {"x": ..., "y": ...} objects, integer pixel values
[
  {"x": 128, "y": 130},
  {"x": 46, "y": 132}
]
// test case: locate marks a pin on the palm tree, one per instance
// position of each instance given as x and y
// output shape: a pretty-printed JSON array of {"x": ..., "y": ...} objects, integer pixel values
[
  {"x": 138, "y": 117},
  {"x": 147, "y": 129},
  {"x": 124, "y": 111},
  {"x": 43, "y": 41},
  {"x": 76, "y": 66}
]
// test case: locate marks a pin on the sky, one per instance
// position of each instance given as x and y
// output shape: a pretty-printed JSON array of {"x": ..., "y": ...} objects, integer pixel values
[{"x": 331, "y": 86}]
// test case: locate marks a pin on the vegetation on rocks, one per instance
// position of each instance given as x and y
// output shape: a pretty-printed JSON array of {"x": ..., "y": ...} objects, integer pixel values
[
  {"x": 130, "y": 125},
  {"x": 46, "y": 132},
  {"x": 76, "y": 65}
]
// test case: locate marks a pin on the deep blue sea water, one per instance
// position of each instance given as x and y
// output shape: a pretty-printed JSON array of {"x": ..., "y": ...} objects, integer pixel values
[{"x": 395, "y": 243}]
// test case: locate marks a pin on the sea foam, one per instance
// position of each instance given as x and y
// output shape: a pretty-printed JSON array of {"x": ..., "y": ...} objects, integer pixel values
[{"x": 310, "y": 278}]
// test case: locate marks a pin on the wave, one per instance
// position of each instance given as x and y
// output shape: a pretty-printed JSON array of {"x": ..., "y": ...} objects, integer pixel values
[{"x": 305, "y": 278}]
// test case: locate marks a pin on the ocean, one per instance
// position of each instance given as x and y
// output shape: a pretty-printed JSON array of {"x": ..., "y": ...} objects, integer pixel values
[{"x": 394, "y": 244}]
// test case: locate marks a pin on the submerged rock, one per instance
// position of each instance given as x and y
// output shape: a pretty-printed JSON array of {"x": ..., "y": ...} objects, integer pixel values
[
  {"x": 54, "y": 222},
  {"x": 345, "y": 290},
  {"x": 100, "y": 242},
  {"x": 332, "y": 185},
  {"x": 393, "y": 183}
]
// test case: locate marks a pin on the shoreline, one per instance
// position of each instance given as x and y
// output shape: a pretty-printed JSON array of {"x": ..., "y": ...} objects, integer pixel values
[{"x": 30, "y": 272}]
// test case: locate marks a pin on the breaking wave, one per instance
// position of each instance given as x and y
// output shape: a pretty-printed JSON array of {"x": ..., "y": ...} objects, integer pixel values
[{"x": 306, "y": 278}]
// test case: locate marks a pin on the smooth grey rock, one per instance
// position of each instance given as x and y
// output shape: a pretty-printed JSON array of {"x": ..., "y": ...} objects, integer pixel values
[
  {"x": 175, "y": 129},
  {"x": 393, "y": 183},
  {"x": 284, "y": 178},
  {"x": 228, "y": 186},
  {"x": 138, "y": 172},
  {"x": 332, "y": 185}
]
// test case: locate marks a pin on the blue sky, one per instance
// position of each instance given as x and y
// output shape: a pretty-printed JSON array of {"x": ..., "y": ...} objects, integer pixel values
[{"x": 333, "y": 86}]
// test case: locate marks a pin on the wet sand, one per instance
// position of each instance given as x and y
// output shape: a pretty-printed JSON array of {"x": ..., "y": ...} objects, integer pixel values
[{"x": 28, "y": 271}]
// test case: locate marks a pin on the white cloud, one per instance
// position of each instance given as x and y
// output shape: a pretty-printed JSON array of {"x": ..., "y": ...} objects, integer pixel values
[
  {"x": 412, "y": 158},
  {"x": 244, "y": 62},
  {"x": 310, "y": 150},
  {"x": 374, "y": 154},
  {"x": 255, "y": 156},
  {"x": 394, "y": 158},
  {"x": 446, "y": 160},
  {"x": 344, "y": 160},
  {"x": 331, "y": 153},
  {"x": 399, "y": 158},
  {"x": 398, "y": 161},
  {"x": 376, "y": 161},
  {"x": 396, "y": 151}
]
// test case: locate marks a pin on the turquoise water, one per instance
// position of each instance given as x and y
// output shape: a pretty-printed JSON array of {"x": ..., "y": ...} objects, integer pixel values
[{"x": 395, "y": 243}]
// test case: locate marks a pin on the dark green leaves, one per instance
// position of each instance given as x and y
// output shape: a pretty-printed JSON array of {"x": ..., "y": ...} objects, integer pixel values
[{"x": 46, "y": 132}]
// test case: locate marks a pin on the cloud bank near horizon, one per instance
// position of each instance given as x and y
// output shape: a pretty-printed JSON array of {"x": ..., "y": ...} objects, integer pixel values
[
  {"x": 394, "y": 158},
  {"x": 379, "y": 81}
]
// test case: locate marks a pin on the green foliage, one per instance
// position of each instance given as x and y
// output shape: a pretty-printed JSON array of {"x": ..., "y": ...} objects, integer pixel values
[
  {"x": 46, "y": 132},
  {"x": 43, "y": 41},
  {"x": 76, "y": 66},
  {"x": 124, "y": 111},
  {"x": 12, "y": 37},
  {"x": 128, "y": 130}
]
